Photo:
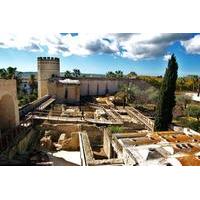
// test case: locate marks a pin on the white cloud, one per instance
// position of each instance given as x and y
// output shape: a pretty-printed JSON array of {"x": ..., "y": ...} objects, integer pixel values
[
  {"x": 166, "y": 57},
  {"x": 133, "y": 46},
  {"x": 147, "y": 46},
  {"x": 192, "y": 45}
]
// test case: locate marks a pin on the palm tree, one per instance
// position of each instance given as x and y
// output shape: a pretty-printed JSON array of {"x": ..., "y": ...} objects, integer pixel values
[
  {"x": 3, "y": 73},
  {"x": 76, "y": 73},
  {"x": 110, "y": 74},
  {"x": 119, "y": 74},
  {"x": 68, "y": 74},
  {"x": 126, "y": 94},
  {"x": 12, "y": 73},
  {"x": 32, "y": 82}
]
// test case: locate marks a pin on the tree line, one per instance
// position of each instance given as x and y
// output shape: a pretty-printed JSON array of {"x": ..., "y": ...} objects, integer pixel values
[
  {"x": 163, "y": 95},
  {"x": 188, "y": 83},
  {"x": 23, "y": 96}
]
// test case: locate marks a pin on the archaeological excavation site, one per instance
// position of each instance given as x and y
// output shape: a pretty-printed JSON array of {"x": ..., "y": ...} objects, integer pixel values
[{"x": 79, "y": 122}]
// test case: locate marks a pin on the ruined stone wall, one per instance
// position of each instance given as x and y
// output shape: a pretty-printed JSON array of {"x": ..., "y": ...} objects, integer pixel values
[
  {"x": 87, "y": 156},
  {"x": 73, "y": 93},
  {"x": 21, "y": 146},
  {"x": 9, "y": 111},
  {"x": 103, "y": 86},
  {"x": 107, "y": 147},
  {"x": 47, "y": 66},
  {"x": 95, "y": 133},
  {"x": 98, "y": 87},
  {"x": 63, "y": 128},
  {"x": 64, "y": 92},
  {"x": 52, "y": 89}
]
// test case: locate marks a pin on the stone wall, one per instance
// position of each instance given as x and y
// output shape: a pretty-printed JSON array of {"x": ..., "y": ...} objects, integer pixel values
[
  {"x": 9, "y": 111},
  {"x": 87, "y": 156},
  {"x": 63, "y": 128},
  {"x": 73, "y": 93},
  {"x": 98, "y": 87},
  {"x": 67, "y": 93},
  {"x": 95, "y": 133},
  {"x": 102, "y": 86},
  {"x": 21, "y": 146},
  {"x": 107, "y": 143}
]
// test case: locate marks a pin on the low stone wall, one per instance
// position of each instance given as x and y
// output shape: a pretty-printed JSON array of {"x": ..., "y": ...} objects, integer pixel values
[
  {"x": 63, "y": 128},
  {"x": 107, "y": 144},
  {"x": 71, "y": 131},
  {"x": 87, "y": 157},
  {"x": 187, "y": 131},
  {"x": 21, "y": 146},
  {"x": 95, "y": 134}
]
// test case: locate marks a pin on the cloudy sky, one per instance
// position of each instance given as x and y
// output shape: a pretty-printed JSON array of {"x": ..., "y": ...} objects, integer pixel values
[{"x": 99, "y": 53}]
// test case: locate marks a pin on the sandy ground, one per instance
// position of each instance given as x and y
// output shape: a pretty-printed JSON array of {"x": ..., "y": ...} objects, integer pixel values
[{"x": 65, "y": 158}]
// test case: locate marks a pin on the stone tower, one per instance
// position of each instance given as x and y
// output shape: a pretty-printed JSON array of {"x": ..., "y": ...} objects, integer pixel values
[{"x": 47, "y": 67}]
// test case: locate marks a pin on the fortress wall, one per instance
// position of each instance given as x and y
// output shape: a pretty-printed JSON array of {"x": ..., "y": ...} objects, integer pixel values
[
  {"x": 9, "y": 111},
  {"x": 98, "y": 86},
  {"x": 113, "y": 86},
  {"x": 61, "y": 90},
  {"x": 102, "y": 87},
  {"x": 84, "y": 87},
  {"x": 73, "y": 93}
]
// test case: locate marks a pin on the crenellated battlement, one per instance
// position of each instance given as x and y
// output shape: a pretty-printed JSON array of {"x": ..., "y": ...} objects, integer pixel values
[{"x": 48, "y": 59}]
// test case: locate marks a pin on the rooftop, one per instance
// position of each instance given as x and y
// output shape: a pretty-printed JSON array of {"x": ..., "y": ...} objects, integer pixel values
[{"x": 69, "y": 81}]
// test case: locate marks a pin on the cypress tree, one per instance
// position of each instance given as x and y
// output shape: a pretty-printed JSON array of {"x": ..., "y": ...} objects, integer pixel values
[{"x": 167, "y": 98}]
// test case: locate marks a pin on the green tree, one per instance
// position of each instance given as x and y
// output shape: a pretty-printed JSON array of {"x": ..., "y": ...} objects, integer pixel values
[
  {"x": 119, "y": 74},
  {"x": 110, "y": 74},
  {"x": 131, "y": 75},
  {"x": 152, "y": 96},
  {"x": 193, "y": 111},
  {"x": 3, "y": 73},
  {"x": 183, "y": 101},
  {"x": 124, "y": 92},
  {"x": 167, "y": 100},
  {"x": 68, "y": 74},
  {"x": 180, "y": 83},
  {"x": 194, "y": 79},
  {"x": 76, "y": 73}
]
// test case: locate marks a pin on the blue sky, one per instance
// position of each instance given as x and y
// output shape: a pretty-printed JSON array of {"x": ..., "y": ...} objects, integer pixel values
[{"x": 145, "y": 54}]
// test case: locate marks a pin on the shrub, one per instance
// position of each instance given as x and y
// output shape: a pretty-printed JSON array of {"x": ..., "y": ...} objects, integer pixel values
[{"x": 116, "y": 129}]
